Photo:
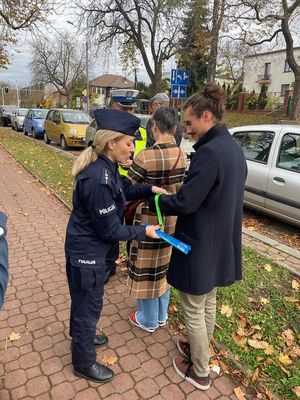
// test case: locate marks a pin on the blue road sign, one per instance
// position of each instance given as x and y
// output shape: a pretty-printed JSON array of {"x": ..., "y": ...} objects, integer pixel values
[
  {"x": 180, "y": 77},
  {"x": 178, "y": 92}
]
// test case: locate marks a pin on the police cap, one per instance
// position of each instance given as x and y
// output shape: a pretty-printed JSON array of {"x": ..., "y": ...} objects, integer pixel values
[
  {"x": 118, "y": 121},
  {"x": 124, "y": 97}
]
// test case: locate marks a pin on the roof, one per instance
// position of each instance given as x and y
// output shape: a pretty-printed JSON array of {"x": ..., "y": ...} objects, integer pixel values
[
  {"x": 112, "y": 81},
  {"x": 270, "y": 52}
]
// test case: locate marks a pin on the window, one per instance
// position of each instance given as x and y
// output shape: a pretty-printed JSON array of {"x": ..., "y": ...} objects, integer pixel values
[
  {"x": 287, "y": 68},
  {"x": 255, "y": 145},
  {"x": 284, "y": 87},
  {"x": 289, "y": 153},
  {"x": 267, "y": 70}
]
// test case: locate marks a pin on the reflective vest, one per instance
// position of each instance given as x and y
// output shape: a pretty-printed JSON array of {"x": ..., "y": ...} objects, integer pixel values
[{"x": 139, "y": 146}]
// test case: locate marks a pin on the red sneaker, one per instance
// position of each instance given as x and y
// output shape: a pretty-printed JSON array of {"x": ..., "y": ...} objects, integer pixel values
[
  {"x": 184, "y": 348},
  {"x": 184, "y": 368},
  {"x": 133, "y": 320}
]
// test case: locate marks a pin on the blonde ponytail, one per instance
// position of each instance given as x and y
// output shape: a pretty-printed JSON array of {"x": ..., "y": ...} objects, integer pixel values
[{"x": 98, "y": 148}]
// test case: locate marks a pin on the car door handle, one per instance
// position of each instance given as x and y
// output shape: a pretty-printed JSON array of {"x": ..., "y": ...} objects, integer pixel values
[{"x": 277, "y": 179}]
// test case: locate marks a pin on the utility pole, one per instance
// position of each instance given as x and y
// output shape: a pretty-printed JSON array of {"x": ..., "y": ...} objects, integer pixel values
[
  {"x": 87, "y": 69},
  {"x": 18, "y": 97},
  {"x": 2, "y": 91}
]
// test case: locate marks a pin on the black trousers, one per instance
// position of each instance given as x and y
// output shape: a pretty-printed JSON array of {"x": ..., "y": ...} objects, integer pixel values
[
  {"x": 112, "y": 256},
  {"x": 86, "y": 286}
]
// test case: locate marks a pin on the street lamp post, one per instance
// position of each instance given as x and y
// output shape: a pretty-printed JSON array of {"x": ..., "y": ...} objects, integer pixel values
[{"x": 87, "y": 89}]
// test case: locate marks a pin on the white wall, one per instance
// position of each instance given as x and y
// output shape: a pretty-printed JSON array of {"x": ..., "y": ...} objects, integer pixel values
[{"x": 255, "y": 66}]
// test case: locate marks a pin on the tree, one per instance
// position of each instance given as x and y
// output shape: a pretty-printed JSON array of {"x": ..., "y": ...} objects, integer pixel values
[
  {"x": 153, "y": 27},
  {"x": 262, "y": 98},
  {"x": 193, "y": 45},
  {"x": 60, "y": 62},
  {"x": 16, "y": 15},
  {"x": 267, "y": 21}
]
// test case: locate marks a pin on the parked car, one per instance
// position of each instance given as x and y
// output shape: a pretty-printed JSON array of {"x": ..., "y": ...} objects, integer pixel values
[
  {"x": 5, "y": 114},
  {"x": 273, "y": 159},
  {"x": 92, "y": 128},
  {"x": 17, "y": 118},
  {"x": 34, "y": 122},
  {"x": 67, "y": 127}
]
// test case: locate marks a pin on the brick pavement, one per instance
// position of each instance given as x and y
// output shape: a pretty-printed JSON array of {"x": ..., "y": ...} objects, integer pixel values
[{"x": 38, "y": 366}]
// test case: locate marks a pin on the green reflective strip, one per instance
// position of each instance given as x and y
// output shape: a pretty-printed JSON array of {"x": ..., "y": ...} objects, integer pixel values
[{"x": 158, "y": 212}]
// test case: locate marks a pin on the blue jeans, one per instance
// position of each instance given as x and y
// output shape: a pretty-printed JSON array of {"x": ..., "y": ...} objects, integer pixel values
[{"x": 152, "y": 311}]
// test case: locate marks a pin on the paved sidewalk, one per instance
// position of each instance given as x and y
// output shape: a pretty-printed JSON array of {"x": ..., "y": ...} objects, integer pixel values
[{"x": 38, "y": 365}]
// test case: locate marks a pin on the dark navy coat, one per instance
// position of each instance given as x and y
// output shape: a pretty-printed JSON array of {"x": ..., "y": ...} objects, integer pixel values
[
  {"x": 210, "y": 209},
  {"x": 98, "y": 205},
  {"x": 3, "y": 258}
]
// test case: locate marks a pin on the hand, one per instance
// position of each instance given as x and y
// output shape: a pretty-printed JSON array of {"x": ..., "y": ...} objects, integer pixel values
[
  {"x": 126, "y": 164},
  {"x": 150, "y": 231},
  {"x": 156, "y": 190}
]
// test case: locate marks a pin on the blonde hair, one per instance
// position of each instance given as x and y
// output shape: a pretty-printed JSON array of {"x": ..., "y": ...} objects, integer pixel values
[{"x": 99, "y": 147}]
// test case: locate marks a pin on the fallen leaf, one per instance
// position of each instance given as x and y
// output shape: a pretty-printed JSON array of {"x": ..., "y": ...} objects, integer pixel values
[
  {"x": 172, "y": 309},
  {"x": 109, "y": 360},
  {"x": 24, "y": 213},
  {"x": 14, "y": 336},
  {"x": 269, "y": 350},
  {"x": 251, "y": 228},
  {"x": 239, "y": 393},
  {"x": 257, "y": 336},
  {"x": 263, "y": 301},
  {"x": 181, "y": 327},
  {"x": 241, "y": 332},
  {"x": 216, "y": 369},
  {"x": 268, "y": 267},
  {"x": 295, "y": 284},
  {"x": 258, "y": 344},
  {"x": 288, "y": 337},
  {"x": 285, "y": 359},
  {"x": 269, "y": 394},
  {"x": 292, "y": 299},
  {"x": 257, "y": 327},
  {"x": 252, "y": 300},
  {"x": 239, "y": 340},
  {"x": 293, "y": 352},
  {"x": 226, "y": 310},
  {"x": 296, "y": 390},
  {"x": 255, "y": 375}
]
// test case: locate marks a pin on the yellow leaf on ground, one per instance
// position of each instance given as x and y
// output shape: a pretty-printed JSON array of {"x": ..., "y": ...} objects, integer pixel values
[
  {"x": 257, "y": 327},
  {"x": 172, "y": 309},
  {"x": 263, "y": 300},
  {"x": 285, "y": 359},
  {"x": 295, "y": 285},
  {"x": 239, "y": 393},
  {"x": 108, "y": 360},
  {"x": 268, "y": 267},
  {"x": 258, "y": 344},
  {"x": 257, "y": 336},
  {"x": 226, "y": 310},
  {"x": 14, "y": 336},
  {"x": 288, "y": 337},
  {"x": 292, "y": 299},
  {"x": 296, "y": 390},
  {"x": 239, "y": 340},
  {"x": 269, "y": 350},
  {"x": 255, "y": 375},
  {"x": 251, "y": 228},
  {"x": 293, "y": 352}
]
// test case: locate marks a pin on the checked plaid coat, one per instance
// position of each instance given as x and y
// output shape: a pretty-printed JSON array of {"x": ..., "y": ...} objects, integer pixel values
[{"x": 149, "y": 259}]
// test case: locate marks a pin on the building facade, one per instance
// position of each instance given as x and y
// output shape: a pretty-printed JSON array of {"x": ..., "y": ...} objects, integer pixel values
[{"x": 272, "y": 69}]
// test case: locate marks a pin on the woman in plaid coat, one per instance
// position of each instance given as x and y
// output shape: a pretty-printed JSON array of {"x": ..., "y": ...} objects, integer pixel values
[{"x": 163, "y": 163}]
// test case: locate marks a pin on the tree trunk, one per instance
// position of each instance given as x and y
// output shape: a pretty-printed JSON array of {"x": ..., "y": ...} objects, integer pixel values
[
  {"x": 296, "y": 99},
  {"x": 156, "y": 81}
]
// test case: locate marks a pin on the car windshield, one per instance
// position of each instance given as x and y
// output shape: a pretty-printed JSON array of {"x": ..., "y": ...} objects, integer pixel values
[
  {"x": 8, "y": 108},
  {"x": 22, "y": 112},
  {"x": 76, "y": 117},
  {"x": 39, "y": 114}
]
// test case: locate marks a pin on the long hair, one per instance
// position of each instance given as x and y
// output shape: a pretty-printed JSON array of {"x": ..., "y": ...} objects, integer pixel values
[{"x": 99, "y": 147}]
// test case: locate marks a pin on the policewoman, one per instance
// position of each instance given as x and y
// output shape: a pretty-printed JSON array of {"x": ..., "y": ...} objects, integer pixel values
[{"x": 95, "y": 223}]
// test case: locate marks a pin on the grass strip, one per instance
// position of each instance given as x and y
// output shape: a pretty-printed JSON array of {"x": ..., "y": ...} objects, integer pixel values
[{"x": 260, "y": 311}]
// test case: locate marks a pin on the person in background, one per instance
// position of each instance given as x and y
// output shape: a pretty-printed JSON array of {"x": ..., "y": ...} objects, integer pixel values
[
  {"x": 95, "y": 223},
  {"x": 161, "y": 100},
  {"x": 124, "y": 100},
  {"x": 164, "y": 165},
  {"x": 3, "y": 258},
  {"x": 209, "y": 206}
]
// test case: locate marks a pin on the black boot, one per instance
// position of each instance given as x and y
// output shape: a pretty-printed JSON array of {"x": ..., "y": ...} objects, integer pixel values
[
  {"x": 97, "y": 373},
  {"x": 100, "y": 340},
  {"x": 108, "y": 274}
]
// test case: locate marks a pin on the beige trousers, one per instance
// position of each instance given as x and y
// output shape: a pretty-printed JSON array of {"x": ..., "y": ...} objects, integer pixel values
[{"x": 200, "y": 316}]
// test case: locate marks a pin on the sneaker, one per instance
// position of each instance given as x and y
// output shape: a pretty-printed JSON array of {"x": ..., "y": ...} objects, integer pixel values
[
  {"x": 162, "y": 323},
  {"x": 133, "y": 320},
  {"x": 184, "y": 348},
  {"x": 184, "y": 368}
]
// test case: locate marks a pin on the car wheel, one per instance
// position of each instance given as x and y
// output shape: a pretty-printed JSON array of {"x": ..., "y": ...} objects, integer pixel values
[
  {"x": 46, "y": 139},
  {"x": 63, "y": 143},
  {"x": 33, "y": 134},
  {"x": 12, "y": 127}
]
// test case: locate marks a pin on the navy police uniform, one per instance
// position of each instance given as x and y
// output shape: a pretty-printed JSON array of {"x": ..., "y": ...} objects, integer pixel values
[{"x": 95, "y": 223}]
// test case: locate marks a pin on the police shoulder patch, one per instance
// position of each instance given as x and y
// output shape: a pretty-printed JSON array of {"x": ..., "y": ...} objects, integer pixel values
[{"x": 105, "y": 211}]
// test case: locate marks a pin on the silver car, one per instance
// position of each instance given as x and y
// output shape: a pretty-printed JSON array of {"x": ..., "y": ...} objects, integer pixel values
[
  {"x": 92, "y": 128},
  {"x": 17, "y": 118},
  {"x": 273, "y": 159}
]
